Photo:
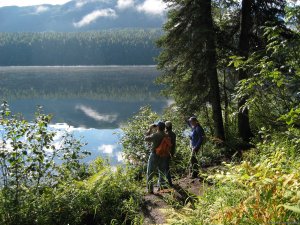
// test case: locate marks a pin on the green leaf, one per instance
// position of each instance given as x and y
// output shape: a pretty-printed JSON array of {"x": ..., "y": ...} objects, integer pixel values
[{"x": 295, "y": 209}]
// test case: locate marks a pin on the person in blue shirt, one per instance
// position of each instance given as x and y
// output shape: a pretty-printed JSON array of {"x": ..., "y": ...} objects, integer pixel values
[{"x": 196, "y": 137}]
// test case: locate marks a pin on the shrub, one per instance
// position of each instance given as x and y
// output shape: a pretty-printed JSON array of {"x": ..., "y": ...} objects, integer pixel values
[
  {"x": 136, "y": 150},
  {"x": 43, "y": 182},
  {"x": 106, "y": 197},
  {"x": 264, "y": 190}
]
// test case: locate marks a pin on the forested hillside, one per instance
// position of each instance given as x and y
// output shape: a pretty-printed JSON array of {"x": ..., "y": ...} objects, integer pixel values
[
  {"x": 83, "y": 15},
  {"x": 232, "y": 64},
  {"x": 112, "y": 47}
]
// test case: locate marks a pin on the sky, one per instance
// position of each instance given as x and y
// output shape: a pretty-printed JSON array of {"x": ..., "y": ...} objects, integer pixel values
[
  {"x": 31, "y": 2},
  {"x": 151, "y": 7},
  {"x": 60, "y": 2}
]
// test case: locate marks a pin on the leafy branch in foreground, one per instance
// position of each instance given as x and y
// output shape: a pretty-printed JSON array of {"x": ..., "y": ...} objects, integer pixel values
[
  {"x": 32, "y": 158},
  {"x": 273, "y": 90},
  {"x": 43, "y": 180}
]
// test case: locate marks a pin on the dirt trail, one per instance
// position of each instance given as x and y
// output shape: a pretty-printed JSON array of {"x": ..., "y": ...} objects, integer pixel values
[
  {"x": 185, "y": 190},
  {"x": 153, "y": 209}
]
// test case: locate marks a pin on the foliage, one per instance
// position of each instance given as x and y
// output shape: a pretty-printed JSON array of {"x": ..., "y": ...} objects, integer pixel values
[
  {"x": 273, "y": 90},
  {"x": 106, "y": 197},
  {"x": 274, "y": 189},
  {"x": 263, "y": 189},
  {"x": 179, "y": 61},
  {"x": 43, "y": 180},
  {"x": 110, "y": 47},
  {"x": 136, "y": 150}
]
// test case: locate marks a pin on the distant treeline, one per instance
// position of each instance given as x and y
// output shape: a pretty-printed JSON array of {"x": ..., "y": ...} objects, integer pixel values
[
  {"x": 112, "y": 47},
  {"x": 128, "y": 84}
]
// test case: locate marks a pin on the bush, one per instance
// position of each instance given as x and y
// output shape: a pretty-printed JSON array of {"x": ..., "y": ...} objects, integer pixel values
[
  {"x": 136, "y": 150},
  {"x": 43, "y": 182},
  {"x": 105, "y": 197},
  {"x": 264, "y": 190}
]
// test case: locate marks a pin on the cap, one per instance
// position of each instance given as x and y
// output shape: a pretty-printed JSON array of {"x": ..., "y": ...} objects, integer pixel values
[
  {"x": 168, "y": 124},
  {"x": 161, "y": 125},
  {"x": 193, "y": 118}
]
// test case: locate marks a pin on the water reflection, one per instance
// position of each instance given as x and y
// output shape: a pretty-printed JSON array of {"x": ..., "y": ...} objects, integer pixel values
[
  {"x": 84, "y": 113},
  {"x": 91, "y": 102},
  {"x": 100, "y": 142},
  {"x": 89, "y": 112}
]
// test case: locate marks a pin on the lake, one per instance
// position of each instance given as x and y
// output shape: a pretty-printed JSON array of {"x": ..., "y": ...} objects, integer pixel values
[{"x": 92, "y": 102}]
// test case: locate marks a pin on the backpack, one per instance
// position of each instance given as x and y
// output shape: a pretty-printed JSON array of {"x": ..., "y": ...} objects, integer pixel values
[{"x": 164, "y": 148}]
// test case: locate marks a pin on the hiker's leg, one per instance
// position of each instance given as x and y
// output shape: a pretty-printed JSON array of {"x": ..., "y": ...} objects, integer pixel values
[
  {"x": 150, "y": 172},
  {"x": 194, "y": 168},
  {"x": 169, "y": 172},
  {"x": 162, "y": 172}
]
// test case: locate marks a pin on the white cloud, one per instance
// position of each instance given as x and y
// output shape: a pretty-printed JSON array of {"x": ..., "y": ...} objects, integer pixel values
[
  {"x": 81, "y": 3},
  {"x": 41, "y": 9},
  {"x": 152, "y": 7},
  {"x": 107, "y": 149},
  {"x": 124, "y": 4},
  {"x": 31, "y": 2},
  {"x": 120, "y": 156},
  {"x": 95, "y": 115},
  {"x": 6, "y": 146},
  {"x": 64, "y": 127},
  {"x": 93, "y": 16},
  {"x": 293, "y": 1}
]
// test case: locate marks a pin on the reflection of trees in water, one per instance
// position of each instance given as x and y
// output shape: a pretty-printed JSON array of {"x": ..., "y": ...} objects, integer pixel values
[
  {"x": 106, "y": 83},
  {"x": 114, "y": 47}
]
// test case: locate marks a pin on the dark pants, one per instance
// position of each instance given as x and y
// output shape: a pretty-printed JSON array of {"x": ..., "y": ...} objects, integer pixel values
[
  {"x": 168, "y": 160},
  {"x": 194, "y": 165},
  {"x": 156, "y": 165}
]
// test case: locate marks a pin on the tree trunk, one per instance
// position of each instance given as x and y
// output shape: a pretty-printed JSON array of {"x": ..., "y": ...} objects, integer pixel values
[
  {"x": 244, "y": 43},
  {"x": 211, "y": 63}
]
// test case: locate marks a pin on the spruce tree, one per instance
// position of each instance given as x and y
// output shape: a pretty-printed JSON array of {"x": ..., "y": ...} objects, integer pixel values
[
  {"x": 188, "y": 58},
  {"x": 254, "y": 16}
]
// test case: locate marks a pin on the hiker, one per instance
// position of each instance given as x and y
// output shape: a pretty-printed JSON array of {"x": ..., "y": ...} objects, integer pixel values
[
  {"x": 155, "y": 135},
  {"x": 172, "y": 135},
  {"x": 196, "y": 137}
]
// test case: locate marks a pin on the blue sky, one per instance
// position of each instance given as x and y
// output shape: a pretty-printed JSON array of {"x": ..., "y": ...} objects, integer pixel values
[
  {"x": 31, "y": 2},
  {"x": 151, "y": 7}
]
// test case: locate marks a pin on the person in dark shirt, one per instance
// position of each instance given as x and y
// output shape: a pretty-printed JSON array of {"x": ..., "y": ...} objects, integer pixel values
[
  {"x": 172, "y": 135},
  {"x": 196, "y": 137}
]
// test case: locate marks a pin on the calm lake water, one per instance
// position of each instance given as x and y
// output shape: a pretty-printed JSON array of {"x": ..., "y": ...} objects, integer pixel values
[{"x": 91, "y": 102}]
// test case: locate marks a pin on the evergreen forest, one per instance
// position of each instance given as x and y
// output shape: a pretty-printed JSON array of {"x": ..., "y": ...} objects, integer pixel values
[
  {"x": 232, "y": 64},
  {"x": 110, "y": 47}
]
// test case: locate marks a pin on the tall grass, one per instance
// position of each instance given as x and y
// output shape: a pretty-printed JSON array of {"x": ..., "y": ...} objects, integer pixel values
[{"x": 263, "y": 189}]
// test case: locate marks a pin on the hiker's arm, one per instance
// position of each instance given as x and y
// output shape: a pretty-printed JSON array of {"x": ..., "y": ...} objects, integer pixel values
[
  {"x": 188, "y": 123},
  {"x": 173, "y": 146},
  {"x": 148, "y": 133},
  {"x": 150, "y": 130},
  {"x": 149, "y": 138},
  {"x": 199, "y": 142}
]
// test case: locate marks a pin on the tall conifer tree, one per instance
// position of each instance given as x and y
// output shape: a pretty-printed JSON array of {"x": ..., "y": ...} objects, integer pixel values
[
  {"x": 254, "y": 15},
  {"x": 188, "y": 58}
]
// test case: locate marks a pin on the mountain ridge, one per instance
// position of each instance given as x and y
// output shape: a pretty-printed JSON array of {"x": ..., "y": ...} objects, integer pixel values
[{"x": 79, "y": 15}]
